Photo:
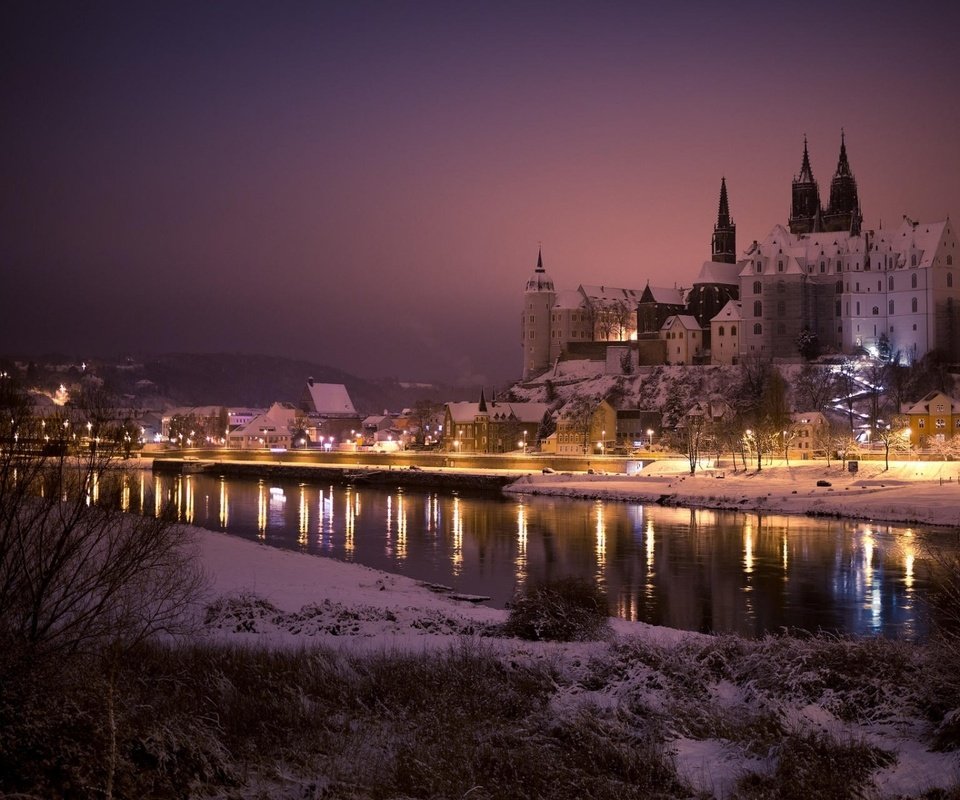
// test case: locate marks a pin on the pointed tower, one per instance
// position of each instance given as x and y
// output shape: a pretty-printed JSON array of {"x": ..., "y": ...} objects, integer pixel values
[
  {"x": 843, "y": 213},
  {"x": 724, "y": 245},
  {"x": 805, "y": 208},
  {"x": 538, "y": 300}
]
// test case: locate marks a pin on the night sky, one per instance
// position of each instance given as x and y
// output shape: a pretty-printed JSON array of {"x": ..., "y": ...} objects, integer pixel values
[{"x": 365, "y": 184}]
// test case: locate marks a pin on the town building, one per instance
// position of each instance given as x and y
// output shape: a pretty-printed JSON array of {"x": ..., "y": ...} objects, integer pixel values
[
  {"x": 493, "y": 427},
  {"x": 933, "y": 419}
]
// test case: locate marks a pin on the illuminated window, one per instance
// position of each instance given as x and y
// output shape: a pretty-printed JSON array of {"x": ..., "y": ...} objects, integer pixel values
[{"x": 941, "y": 423}]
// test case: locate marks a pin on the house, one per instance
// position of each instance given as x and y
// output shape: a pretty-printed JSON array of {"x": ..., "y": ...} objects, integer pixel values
[
  {"x": 275, "y": 427},
  {"x": 725, "y": 334},
  {"x": 492, "y": 427},
  {"x": 684, "y": 338},
  {"x": 808, "y": 433},
  {"x": 637, "y": 427},
  {"x": 935, "y": 418},
  {"x": 330, "y": 410},
  {"x": 583, "y": 428}
]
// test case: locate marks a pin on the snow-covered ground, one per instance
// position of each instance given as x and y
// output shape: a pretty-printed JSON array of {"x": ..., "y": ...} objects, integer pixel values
[
  {"x": 910, "y": 491},
  {"x": 276, "y": 598}
]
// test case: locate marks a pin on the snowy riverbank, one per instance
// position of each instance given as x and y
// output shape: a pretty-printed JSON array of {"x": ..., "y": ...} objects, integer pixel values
[
  {"x": 723, "y": 705},
  {"x": 925, "y": 492}
]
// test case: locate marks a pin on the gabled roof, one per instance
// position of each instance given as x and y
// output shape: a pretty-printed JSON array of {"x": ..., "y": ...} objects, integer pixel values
[
  {"x": 330, "y": 399},
  {"x": 923, "y": 406},
  {"x": 522, "y": 412},
  {"x": 681, "y": 321},
  {"x": 731, "y": 312},
  {"x": 280, "y": 417},
  {"x": 718, "y": 272},
  {"x": 662, "y": 295}
]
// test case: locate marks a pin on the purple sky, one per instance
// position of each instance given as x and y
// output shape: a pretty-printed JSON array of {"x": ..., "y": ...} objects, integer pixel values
[{"x": 365, "y": 185}]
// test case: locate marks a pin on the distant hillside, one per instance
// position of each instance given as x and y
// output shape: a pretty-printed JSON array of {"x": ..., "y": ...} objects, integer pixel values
[{"x": 229, "y": 379}]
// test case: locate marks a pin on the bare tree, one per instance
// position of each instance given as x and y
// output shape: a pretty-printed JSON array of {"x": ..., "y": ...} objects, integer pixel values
[{"x": 77, "y": 573}]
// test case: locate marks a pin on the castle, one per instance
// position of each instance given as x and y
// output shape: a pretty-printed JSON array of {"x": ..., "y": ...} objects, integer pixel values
[{"x": 821, "y": 283}]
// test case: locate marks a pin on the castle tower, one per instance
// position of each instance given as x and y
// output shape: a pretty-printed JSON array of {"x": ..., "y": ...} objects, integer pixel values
[
  {"x": 538, "y": 301},
  {"x": 724, "y": 245},
  {"x": 843, "y": 213},
  {"x": 805, "y": 206}
]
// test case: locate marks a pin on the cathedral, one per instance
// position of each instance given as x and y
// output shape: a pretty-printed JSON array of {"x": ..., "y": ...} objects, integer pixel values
[{"x": 819, "y": 284}]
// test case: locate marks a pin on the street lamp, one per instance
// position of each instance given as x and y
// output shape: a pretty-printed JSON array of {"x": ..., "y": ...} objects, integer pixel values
[
  {"x": 649, "y": 437},
  {"x": 603, "y": 442}
]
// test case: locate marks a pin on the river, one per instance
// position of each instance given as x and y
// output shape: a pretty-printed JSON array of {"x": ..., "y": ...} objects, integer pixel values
[{"x": 692, "y": 569}]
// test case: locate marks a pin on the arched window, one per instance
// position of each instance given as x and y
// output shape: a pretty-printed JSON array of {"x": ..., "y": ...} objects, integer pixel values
[
  {"x": 780, "y": 265},
  {"x": 913, "y": 260},
  {"x": 913, "y": 281},
  {"x": 758, "y": 267},
  {"x": 890, "y": 283},
  {"x": 949, "y": 260},
  {"x": 757, "y": 308},
  {"x": 890, "y": 307},
  {"x": 720, "y": 331},
  {"x": 876, "y": 311},
  {"x": 757, "y": 328},
  {"x": 913, "y": 305},
  {"x": 733, "y": 330},
  {"x": 757, "y": 288},
  {"x": 781, "y": 308},
  {"x": 823, "y": 266},
  {"x": 839, "y": 287},
  {"x": 949, "y": 280}
]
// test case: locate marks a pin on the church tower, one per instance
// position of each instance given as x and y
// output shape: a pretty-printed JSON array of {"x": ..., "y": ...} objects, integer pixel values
[
  {"x": 843, "y": 213},
  {"x": 805, "y": 208},
  {"x": 538, "y": 301},
  {"x": 724, "y": 245}
]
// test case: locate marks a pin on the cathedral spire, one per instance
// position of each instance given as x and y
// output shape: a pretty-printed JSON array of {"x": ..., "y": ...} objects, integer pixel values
[
  {"x": 806, "y": 173},
  {"x": 540, "y": 259},
  {"x": 724, "y": 245},
  {"x": 843, "y": 213},
  {"x": 482, "y": 407},
  {"x": 805, "y": 203},
  {"x": 723, "y": 215}
]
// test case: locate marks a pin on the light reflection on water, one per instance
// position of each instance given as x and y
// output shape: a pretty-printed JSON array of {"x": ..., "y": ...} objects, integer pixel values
[{"x": 694, "y": 569}]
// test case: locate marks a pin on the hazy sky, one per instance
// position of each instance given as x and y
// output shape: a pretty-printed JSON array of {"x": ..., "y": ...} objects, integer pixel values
[{"x": 365, "y": 184}]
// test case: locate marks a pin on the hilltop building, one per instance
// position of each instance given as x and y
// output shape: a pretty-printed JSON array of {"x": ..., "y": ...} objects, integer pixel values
[{"x": 821, "y": 283}]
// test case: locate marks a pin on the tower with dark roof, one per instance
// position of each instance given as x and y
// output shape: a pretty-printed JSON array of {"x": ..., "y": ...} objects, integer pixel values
[
  {"x": 724, "y": 245},
  {"x": 805, "y": 205},
  {"x": 843, "y": 213},
  {"x": 538, "y": 300}
]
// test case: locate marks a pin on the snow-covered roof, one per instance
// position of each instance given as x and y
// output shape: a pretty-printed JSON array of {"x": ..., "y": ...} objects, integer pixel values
[
  {"x": 717, "y": 272},
  {"x": 731, "y": 312},
  {"x": 569, "y": 298},
  {"x": 610, "y": 294},
  {"x": 681, "y": 320},
  {"x": 930, "y": 400},
  {"x": 279, "y": 417},
  {"x": 522, "y": 412},
  {"x": 330, "y": 399},
  {"x": 665, "y": 295}
]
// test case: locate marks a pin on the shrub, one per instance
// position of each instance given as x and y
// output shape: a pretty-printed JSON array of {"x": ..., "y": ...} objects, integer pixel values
[{"x": 564, "y": 610}]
